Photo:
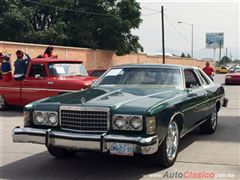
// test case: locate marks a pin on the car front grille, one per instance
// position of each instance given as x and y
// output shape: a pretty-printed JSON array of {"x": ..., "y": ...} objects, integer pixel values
[{"x": 84, "y": 119}]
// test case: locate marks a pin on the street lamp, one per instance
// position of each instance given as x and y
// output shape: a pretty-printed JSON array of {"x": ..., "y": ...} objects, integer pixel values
[{"x": 180, "y": 22}]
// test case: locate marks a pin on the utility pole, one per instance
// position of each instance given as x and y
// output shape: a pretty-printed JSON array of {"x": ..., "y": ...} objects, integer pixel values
[
  {"x": 192, "y": 42},
  {"x": 220, "y": 50},
  {"x": 163, "y": 40}
]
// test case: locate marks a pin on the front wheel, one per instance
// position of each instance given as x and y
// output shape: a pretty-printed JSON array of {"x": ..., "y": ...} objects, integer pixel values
[
  {"x": 61, "y": 153},
  {"x": 210, "y": 126},
  {"x": 168, "y": 150}
]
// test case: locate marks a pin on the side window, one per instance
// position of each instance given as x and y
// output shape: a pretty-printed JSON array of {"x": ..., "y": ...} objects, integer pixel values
[
  {"x": 203, "y": 77},
  {"x": 191, "y": 79},
  {"x": 37, "y": 70}
]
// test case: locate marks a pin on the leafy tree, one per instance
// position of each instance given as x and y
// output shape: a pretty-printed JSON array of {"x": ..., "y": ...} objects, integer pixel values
[
  {"x": 188, "y": 56},
  {"x": 225, "y": 60},
  {"x": 183, "y": 55},
  {"x": 103, "y": 24}
]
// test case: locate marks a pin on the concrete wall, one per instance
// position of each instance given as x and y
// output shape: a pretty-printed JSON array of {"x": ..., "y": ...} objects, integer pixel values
[{"x": 93, "y": 58}]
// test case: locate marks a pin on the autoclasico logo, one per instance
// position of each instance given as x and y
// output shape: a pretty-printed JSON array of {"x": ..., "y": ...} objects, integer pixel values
[{"x": 191, "y": 175}]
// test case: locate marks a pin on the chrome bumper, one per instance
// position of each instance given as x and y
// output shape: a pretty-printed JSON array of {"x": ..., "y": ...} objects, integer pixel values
[{"x": 77, "y": 141}]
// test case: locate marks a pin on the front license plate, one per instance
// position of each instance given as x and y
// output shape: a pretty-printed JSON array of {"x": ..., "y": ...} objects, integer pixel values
[{"x": 121, "y": 149}]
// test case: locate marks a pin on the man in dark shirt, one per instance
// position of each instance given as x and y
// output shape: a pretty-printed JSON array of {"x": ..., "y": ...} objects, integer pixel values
[{"x": 21, "y": 65}]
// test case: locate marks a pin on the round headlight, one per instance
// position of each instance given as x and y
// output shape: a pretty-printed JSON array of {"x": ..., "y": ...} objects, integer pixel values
[
  {"x": 120, "y": 122},
  {"x": 52, "y": 118},
  {"x": 39, "y": 117},
  {"x": 136, "y": 122}
]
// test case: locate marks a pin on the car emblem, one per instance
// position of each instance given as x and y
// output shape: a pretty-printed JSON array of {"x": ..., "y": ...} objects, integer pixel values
[{"x": 83, "y": 100}]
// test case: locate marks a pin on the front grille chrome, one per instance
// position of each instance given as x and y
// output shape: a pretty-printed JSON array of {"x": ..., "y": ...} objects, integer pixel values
[{"x": 84, "y": 119}]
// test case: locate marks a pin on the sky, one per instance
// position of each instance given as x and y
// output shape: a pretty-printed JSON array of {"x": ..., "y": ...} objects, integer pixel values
[{"x": 206, "y": 16}]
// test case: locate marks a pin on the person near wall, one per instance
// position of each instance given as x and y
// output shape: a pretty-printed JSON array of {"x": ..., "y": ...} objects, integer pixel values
[
  {"x": 6, "y": 69},
  {"x": 209, "y": 70},
  {"x": 21, "y": 65},
  {"x": 49, "y": 53},
  {"x": 1, "y": 57}
]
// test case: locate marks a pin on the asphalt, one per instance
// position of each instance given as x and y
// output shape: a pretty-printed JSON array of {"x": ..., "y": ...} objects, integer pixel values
[{"x": 216, "y": 155}]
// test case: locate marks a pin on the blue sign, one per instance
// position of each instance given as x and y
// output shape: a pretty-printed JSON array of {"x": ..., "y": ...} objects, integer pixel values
[{"x": 214, "y": 40}]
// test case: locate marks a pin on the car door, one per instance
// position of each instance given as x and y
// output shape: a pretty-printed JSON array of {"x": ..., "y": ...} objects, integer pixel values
[
  {"x": 195, "y": 99},
  {"x": 35, "y": 84},
  {"x": 10, "y": 90},
  {"x": 211, "y": 90}
]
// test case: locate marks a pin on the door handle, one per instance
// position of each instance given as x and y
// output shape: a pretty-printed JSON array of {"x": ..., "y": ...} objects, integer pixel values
[{"x": 50, "y": 82}]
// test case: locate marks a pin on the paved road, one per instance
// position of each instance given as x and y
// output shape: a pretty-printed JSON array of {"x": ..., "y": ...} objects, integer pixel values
[{"x": 218, "y": 153}]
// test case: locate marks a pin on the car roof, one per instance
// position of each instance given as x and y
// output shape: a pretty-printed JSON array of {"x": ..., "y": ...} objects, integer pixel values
[
  {"x": 174, "y": 66},
  {"x": 50, "y": 60}
]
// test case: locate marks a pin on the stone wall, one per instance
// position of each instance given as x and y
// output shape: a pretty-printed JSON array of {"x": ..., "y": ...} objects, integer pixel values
[{"x": 93, "y": 59}]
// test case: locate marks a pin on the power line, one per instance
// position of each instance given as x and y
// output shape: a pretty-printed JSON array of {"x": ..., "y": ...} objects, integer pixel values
[
  {"x": 143, "y": 7},
  {"x": 176, "y": 29},
  {"x": 151, "y": 14},
  {"x": 199, "y": 11},
  {"x": 195, "y": 35},
  {"x": 73, "y": 10}
]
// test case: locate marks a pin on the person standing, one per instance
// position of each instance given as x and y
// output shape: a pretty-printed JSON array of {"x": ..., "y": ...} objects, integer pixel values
[
  {"x": 21, "y": 65},
  {"x": 209, "y": 70},
  {"x": 49, "y": 53},
  {"x": 6, "y": 69}
]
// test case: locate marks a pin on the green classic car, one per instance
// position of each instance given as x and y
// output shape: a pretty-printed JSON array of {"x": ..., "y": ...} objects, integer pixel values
[{"x": 143, "y": 109}]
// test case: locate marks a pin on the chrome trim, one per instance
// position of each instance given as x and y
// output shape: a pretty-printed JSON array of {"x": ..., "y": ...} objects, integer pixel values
[
  {"x": 210, "y": 99},
  {"x": 91, "y": 142},
  {"x": 80, "y": 108},
  {"x": 39, "y": 89},
  {"x": 182, "y": 135},
  {"x": 174, "y": 115}
]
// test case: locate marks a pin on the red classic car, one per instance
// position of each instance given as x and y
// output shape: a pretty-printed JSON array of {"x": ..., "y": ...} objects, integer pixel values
[
  {"x": 233, "y": 77},
  {"x": 44, "y": 78}
]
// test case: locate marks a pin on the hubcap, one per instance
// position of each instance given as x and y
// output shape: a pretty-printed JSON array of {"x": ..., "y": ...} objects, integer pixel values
[
  {"x": 1, "y": 102},
  {"x": 214, "y": 118},
  {"x": 172, "y": 140}
]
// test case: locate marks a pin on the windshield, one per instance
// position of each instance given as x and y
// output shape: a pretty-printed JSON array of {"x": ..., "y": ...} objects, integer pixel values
[
  {"x": 142, "y": 76},
  {"x": 67, "y": 69}
]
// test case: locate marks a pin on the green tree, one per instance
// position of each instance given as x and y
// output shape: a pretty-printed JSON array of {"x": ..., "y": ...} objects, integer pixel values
[
  {"x": 103, "y": 24},
  {"x": 225, "y": 60},
  {"x": 183, "y": 55}
]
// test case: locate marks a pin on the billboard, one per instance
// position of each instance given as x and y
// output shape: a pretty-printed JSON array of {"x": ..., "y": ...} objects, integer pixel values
[{"x": 213, "y": 40}]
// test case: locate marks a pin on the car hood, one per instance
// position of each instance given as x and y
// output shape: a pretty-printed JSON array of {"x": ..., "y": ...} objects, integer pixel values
[
  {"x": 123, "y": 99},
  {"x": 233, "y": 74}
]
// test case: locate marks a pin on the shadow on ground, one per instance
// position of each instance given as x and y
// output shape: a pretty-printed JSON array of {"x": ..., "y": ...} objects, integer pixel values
[
  {"x": 101, "y": 166},
  {"x": 12, "y": 111}
]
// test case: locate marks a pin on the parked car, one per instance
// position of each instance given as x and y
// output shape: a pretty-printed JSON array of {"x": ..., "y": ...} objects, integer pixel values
[
  {"x": 131, "y": 109},
  {"x": 96, "y": 72},
  {"x": 44, "y": 78},
  {"x": 221, "y": 70},
  {"x": 233, "y": 77}
]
